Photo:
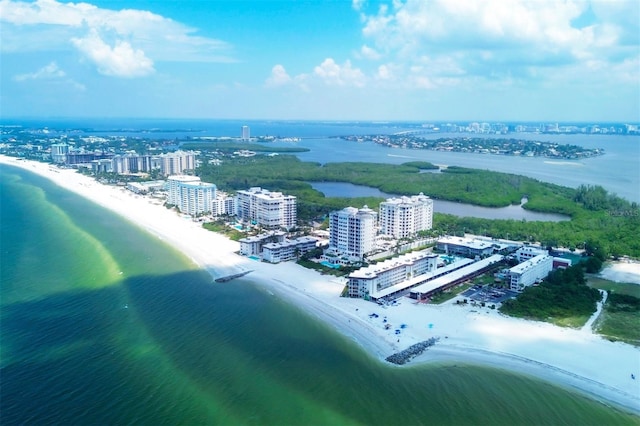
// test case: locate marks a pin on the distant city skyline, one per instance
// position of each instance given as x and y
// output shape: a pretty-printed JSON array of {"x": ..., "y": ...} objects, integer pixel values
[{"x": 476, "y": 60}]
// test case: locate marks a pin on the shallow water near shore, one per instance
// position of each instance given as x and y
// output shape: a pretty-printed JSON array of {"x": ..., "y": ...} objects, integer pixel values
[{"x": 101, "y": 323}]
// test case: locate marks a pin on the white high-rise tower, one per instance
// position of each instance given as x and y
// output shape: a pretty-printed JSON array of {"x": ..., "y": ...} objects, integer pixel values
[{"x": 246, "y": 133}]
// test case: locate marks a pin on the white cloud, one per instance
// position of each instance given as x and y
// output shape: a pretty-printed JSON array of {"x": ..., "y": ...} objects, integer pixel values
[
  {"x": 369, "y": 53},
  {"x": 333, "y": 74},
  {"x": 278, "y": 77},
  {"x": 121, "y": 60},
  {"x": 471, "y": 39},
  {"x": 50, "y": 71},
  {"x": 129, "y": 41}
]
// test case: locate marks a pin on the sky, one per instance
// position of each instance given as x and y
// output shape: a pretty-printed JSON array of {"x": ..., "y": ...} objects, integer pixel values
[{"x": 427, "y": 60}]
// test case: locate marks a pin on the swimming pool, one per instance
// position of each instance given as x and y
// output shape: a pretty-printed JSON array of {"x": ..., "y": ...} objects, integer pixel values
[{"x": 330, "y": 265}]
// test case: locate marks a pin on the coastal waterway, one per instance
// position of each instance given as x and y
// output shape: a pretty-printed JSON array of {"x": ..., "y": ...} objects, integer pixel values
[{"x": 514, "y": 212}]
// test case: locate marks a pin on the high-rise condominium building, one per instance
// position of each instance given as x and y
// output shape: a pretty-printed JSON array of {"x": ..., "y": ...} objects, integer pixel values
[
  {"x": 59, "y": 152},
  {"x": 271, "y": 210},
  {"x": 176, "y": 163},
  {"x": 191, "y": 195},
  {"x": 405, "y": 216},
  {"x": 352, "y": 231},
  {"x": 246, "y": 133}
]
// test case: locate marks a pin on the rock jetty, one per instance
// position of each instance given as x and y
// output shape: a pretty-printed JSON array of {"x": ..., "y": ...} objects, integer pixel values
[{"x": 406, "y": 355}]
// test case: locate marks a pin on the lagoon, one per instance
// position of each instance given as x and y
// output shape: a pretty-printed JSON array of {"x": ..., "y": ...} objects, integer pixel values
[{"x": 514, "y": 212}]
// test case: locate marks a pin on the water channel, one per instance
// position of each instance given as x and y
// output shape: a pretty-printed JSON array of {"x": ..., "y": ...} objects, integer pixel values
[{"x": 515, "y": 212}]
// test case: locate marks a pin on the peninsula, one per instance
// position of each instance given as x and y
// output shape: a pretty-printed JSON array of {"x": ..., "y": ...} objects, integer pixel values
[
  {"x": 466, "y": 334},
  {"x": 481, "y": 145}
]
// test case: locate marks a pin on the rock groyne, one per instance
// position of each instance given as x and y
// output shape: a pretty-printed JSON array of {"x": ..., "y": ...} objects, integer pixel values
[{"x": 406, "y": 355}]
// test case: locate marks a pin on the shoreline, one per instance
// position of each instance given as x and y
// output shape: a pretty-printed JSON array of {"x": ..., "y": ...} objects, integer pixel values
[{"x": 573, "y": 359}]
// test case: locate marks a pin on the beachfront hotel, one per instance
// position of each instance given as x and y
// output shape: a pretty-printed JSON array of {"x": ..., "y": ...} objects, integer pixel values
[
  {"x": 530, "y": 272},
  {"x": 270, "y": 210},
  {"x": 406, "y": 216},
  {"x": 352, "y": 233},
  {"x": 190, "y": 195},
  {"x": 392, "y": 275}
]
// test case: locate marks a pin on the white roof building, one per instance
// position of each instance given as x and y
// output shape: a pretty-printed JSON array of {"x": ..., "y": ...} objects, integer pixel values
[
  {"x": 392, "y": 275},
  {"x": 287, "y": 249},
  {"x": 529, "y": 272},
  {"x": 465, "y": 246},
  {"x": 528, "y": 252}
]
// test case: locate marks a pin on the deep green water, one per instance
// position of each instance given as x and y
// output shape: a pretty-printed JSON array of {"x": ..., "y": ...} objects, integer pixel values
[{"x": 102, "y": 323}]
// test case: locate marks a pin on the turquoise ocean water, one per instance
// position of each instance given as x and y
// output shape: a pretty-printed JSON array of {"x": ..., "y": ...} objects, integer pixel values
[{"x": 101, "y": 323}]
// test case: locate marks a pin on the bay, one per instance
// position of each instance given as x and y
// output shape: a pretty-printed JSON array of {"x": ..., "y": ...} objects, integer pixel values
[
  {"x": 618, "y": 170},
  {"x": 102, "y": 323}
]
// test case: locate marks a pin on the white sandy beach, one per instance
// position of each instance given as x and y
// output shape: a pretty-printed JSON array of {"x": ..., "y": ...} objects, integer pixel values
[{"x": 575, "y": 359}]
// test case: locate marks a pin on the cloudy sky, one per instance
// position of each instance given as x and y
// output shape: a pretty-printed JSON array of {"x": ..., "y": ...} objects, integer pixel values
[{"x": 515, "y": 60}]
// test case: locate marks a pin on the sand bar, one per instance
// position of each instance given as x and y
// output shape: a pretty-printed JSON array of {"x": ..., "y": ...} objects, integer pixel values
[{"x": 576, "y": 359}]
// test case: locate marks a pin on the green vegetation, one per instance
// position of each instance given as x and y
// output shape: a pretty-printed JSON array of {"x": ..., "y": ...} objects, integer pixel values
[
  {"x": 325, "y": 270},
  {"x": 449, "y": 294},
  {"x": 609, "y": 222},
  {"x": 221, "y": 227},
  {"x": 620, "y": 318},
  {"x": 229, "y": 147},
  {"x": 563, "y": 298}
]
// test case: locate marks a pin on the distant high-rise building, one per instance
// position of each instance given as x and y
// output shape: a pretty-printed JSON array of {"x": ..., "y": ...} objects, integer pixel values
[
  {"x": 175, "y": 163},
  {"x": 59, "y": 152},
  {"x": 246, "y": 133}
]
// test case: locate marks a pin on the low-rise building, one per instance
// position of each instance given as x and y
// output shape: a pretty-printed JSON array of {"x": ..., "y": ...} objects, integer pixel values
[
  {"x": 465, "y": 246},
  {"x": 529, "y": 252},
  {"x": 452, "y": 275},
  {"x": 530, "y": 272},
  {"x": 397, "y": 274},
  {"x": 288, "y": 249},
  {"x": 146, "y": 187},
  {"x": 252, "y": 246}
]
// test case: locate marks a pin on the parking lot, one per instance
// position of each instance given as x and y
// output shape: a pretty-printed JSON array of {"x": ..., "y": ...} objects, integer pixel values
[{"x": 489, "y": 294}]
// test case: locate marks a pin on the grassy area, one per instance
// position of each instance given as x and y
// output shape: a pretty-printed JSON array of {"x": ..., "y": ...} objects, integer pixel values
[
  {"x": 620, "y": 326},
  {"x": 572, "y": 322},
  {"x": 612, "y": 286},
  {"x": 450, "y": 294},
  {"x": 620, "y": 318}
]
